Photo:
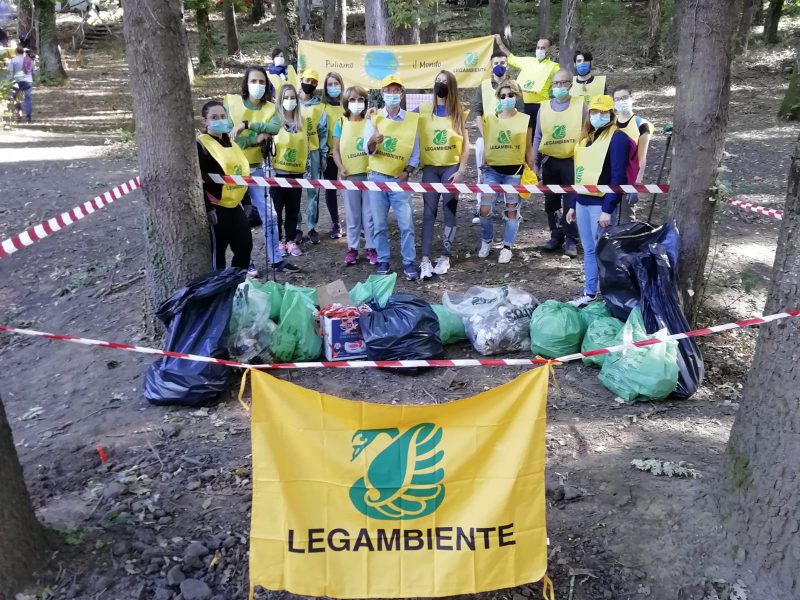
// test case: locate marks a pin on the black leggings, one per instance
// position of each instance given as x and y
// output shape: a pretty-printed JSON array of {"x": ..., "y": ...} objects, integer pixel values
[
  {"x": 232, "y": 229},
  {"x": 287, "y": 200},
  {"x": 332, "y": 172}
]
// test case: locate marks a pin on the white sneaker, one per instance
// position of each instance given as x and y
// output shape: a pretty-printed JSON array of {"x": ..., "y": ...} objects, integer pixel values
[
  {"x": 505, "y": 256},
  {"x": 442, "y": 265},
  {"x": 486, "y": 247},
  {"x": 582, "y": 301},
  {"x": 425, "y": 269},
  {"x": 476, "y": 220}
]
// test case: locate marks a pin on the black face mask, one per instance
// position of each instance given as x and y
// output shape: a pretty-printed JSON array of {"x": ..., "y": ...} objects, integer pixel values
[
  {"x": 440, "y": 89},
  {"x": 308, "y": 88}
]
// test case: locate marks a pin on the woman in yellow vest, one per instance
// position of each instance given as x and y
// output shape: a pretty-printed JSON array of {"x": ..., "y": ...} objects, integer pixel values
[
  {"x": 585, "y": 84},
  {"x": 444, "y": 153},
  {"x": 332, "y": 101},
  {"x": 228, "y": 223},
  {"x": 639, "y": 130},
  {"x": 508, "y": 149},
  {"x": 291, "y": 157},
  {"x": 352, "y": 162},
  {"x": 316, "y": 124},
  {"x": 601, "y": 158}
]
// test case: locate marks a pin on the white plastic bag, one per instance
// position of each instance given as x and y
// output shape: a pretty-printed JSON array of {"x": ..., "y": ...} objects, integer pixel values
[{"x": 249, "y": 328}]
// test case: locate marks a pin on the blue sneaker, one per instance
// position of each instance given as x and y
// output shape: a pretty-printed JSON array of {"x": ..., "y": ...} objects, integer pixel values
[
  {"x": 383, "y": 268},
  {"x": 410, "y": 271}
]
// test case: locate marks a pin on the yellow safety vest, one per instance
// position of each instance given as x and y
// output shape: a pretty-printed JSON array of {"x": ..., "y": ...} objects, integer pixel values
[
  {"x": 353, "y": 147},
  {"x": 505, "y": 139},
  {"x": 238, "y": 112},
  {"x": 588, "y": 91},
  {"x": 440, "y": 145},
  {"x": 589, "y": 160},
  {"x": 233, "y": 162},
  {"x": 488, "y": 97},
  {"x": 311, "y": 116},
  {"x": 392, "y": 156},
  {"x": 632, "y": 128},
  {"x": 535, "y": 79},
  {"x": 560, "y": 130},
  {"x": 334, "y": 114},
  {"x": 291, "y": 150}
]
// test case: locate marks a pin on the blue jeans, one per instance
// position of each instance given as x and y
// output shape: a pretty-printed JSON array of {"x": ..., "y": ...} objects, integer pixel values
[
  {"x": 312, "y": 195},
  {"x": 26, "y": 88},
  {"x": 512, "y": 207},
  {"x": 400, "y": 203},
  {"x": 258, "y": 196},
  {"x": 586, "y": 216}
]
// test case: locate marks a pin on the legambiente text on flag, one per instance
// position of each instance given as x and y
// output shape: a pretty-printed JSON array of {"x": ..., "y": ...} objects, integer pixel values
[
  {"x": 365, "y": 500},
  {"x": 417, "y": 65}
]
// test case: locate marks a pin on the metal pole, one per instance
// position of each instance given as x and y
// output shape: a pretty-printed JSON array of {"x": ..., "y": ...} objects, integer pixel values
[{"x": 660, "y": 174}]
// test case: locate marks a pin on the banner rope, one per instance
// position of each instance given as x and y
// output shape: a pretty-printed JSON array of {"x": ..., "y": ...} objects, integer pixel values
[{"x": 762, "y": 210}]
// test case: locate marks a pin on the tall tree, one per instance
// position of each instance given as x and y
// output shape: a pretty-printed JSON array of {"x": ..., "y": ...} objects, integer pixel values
[
  {"x": 498, "y": 11},
  {"x": 429, "y": 24},
  {"x": 22, "y": 538},
  {"x": 568, "y": 33},
  {"x": 51, "y": 65},
  {"x": 404, "y": 18},
  {"x": 701, "y": 117},
  {"x": 341, "y": 21},
  {"x": 329, "y": 21},
  {"x": 758, "y": 16},
  {"x": 376, "y": 17},
  {"x": 771, "y": 20},
  {"x": 176, "y": 226},
  {"x": 231, "y": 32},
  {"x": 26, "y": 22},
  {"x": 742, "y": 39},
  {"x": 653, "y": 50},
  {"x": 304, "y": 18},
  {"x": 761, "y": 498},
  {"x": 257, "y": 11},
  {"x": 544, "y": 19},
  {"x": 283, "y": 26},
  {"x": 205, "y": 37},
  {"x": 790, "y": 107}
]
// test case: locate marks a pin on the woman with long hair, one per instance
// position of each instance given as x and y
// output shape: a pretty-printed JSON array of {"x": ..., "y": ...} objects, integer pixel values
[{"x": 332, "y": 101}]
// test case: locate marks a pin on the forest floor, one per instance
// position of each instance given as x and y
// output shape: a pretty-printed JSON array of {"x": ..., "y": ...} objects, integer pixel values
[{"x": 130, "y": 528}]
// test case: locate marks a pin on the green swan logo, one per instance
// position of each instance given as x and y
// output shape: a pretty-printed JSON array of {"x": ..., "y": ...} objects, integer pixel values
[
  {"x": 559, "y": 132},
  {"x": 290, "y": 155},
  {"x": 237, "y": 169},
  {"x": 439, "y": 137},
  {"x": 471, "y": 59},
  {"x": 528, "y": 85},
  {"x": 301, "y": 62},
  {"x": 389, "y": 144},
  {"x": 360, "y": 144},
  {"x": 404, "y": 480},
  {"x": 309, "y": 124},
  {"x": 504, "y": 137},
  {"x": 579, "y": 174}
]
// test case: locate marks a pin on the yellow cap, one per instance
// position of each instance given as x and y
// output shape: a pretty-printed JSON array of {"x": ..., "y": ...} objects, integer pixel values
[
  {"x": 390, "y": 79},
  {"x": 603, "y": 103},
  {"x": 310, "y": 74}
]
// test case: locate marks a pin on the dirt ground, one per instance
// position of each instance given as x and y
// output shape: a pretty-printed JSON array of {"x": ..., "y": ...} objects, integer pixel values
[{"x": 173, "y": 501}]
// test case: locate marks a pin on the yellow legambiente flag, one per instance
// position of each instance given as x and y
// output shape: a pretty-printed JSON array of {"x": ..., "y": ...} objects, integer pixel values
[{"x": 359, "y": 500}]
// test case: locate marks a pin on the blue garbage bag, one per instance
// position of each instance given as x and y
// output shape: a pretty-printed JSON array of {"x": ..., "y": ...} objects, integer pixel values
[{"x": 196, "y": 318}]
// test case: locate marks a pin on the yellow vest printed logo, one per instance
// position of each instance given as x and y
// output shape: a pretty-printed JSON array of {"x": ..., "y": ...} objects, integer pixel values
[
  {"x": 471, "y": 59},
  {"x": 290, "y": 155},
  {"x": 404, "y": 481},
  {"x": 439, "y": 137},
  {"x": 389, "y": 144},
  {"x": 528, "y": 85},
  {"x": 309, "y": 124},
  {"x": 504, "y": 137},
  {"x": 579, "y": 174},
  {"x": 559, "y": 132},
  {"x": 301, "y": 62},
  {"x": 360, "y": 145}
]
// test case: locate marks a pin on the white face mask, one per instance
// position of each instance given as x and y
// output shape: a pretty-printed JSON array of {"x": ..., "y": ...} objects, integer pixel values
[
  {"x": 540, "y": 54},
  {"x": 289, "y": 104},
  {"x": 279, "y": 61},
  {"x": 356, "y": 106},
  {"x": 624, "y": 107},
  {"x": 256, "y": 90}
]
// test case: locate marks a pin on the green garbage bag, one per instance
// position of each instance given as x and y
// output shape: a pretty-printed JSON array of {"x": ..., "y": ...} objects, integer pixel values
[
  {"x": 296, "y": 339},
  {"x": 594, "y": 310},
  {"x": 377, "y": 287},
  {"x": 556, "y": 329},
  {"x": 451, "y": 327},
  {"x": 249, "y": 327},
  {"x": 274, "y": 293},
  {"x": 646, "y": 373},
  {"x": 601, "y": 333}
]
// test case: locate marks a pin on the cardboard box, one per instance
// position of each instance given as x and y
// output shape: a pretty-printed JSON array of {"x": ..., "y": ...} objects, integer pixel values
[
  {"x": 334, "y": 292},
  {"x": 342, "y": 339}
]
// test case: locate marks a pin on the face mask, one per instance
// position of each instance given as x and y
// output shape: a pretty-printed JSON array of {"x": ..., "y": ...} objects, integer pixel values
[
  {"x": 355, "y": 107},
  {"x": 391, "y": 100},
  {"x": 308, "y": 88},
  {"x": 279, "y": 61},
  {"x": 583, "y": 68},
  {"x": 499, "y": 70},
  {"x": 334, "y": 92},
  {"x": 507, "y": 103},
  {"x": 624, "y": 107},
  {"x": 289, "y": 104},
  {"x": 559, "y": 93},
  {"x": 220, "y": 126},
  {"x": 256, "y": 90},
  {"x": 540, "y": 54},
  {"x": 440, "y": 89},
  {"x": 600, "y": 120}
]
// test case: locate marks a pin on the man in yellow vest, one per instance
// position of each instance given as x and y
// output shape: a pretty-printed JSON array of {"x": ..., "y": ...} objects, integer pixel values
[
  {"x": 393, "y": 148},
  {"x": 316, "y": 124},
  {"x": 559, "y": 126},
  {"x": 586, "y": 84}
]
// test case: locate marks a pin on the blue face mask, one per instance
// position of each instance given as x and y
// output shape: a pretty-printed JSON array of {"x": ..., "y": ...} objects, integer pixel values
[
  {"x": 499, "y": 70},
  {"x": 583, "y": 68},
  {"x": 559, "y": 93},
  {"x": 507, "y": 103},
  {"x": 391, "y": 100},
  {"x": 600, "y": 120},
  {"x": 334, "y": 92},
  {"x": 220, "y": 126}
]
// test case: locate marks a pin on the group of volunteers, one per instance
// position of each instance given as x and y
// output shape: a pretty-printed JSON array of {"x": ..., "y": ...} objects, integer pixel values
[{"x": 547, "y": 121}]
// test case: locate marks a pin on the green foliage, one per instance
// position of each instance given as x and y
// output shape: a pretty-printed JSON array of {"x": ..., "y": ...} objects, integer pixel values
[{"x": 404, "y": 13}]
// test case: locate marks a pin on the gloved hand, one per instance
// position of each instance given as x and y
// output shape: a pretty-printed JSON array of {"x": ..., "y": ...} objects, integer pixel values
[
  {"x": 632, "y": 198},
  {"x": 212, "y": 217}
]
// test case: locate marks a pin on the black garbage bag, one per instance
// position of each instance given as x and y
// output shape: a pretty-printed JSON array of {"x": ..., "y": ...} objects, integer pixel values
[
  {"x": 405, "y": 329},
  {"x": 637, "y": 265},
  {"x": 196, "y": 318}
]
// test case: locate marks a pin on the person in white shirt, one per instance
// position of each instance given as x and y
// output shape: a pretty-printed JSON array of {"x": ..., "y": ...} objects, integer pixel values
[{"x": 21, "y": 70}]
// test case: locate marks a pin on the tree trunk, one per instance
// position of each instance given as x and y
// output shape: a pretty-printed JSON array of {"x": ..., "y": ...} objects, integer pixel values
[
  {"x": 376, "y": 20},
  {"x": 329, "y": 22},
  {"x": 26, "y": 23},
  {"x": 257, "y": 11},
  {"x": 758, "y": 16},
  {"x": 701, "y": 118},
  {"x": 544, "y": 19},
  {"x": 771, "y": 20},
  {"x": 653, "y": 49},
  {"x": 341, "y": 21},
  {"x": 742, "y": 39},
  {"x": 761, "y": 495},
  {"x": 790, "y": 107},
  {"x": 176, "y": 226},
  {"x": 429, "y": 24},
  {"x": 231, "y": 33},
  {"x": 283, "y": 27},
  {"x": 498, "y": 10},
  {"x": 205, "y": 43},
  {"x": 51, "y": 66},
  {"x": 304, "y": 18},
  {"x": 22, "y": 538},
  {"x": 568, "y": 32}
]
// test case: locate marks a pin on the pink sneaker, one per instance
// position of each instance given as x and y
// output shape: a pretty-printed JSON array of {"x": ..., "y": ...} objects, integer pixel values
[
  {"x": 282, "y": 248},
  {"x": 372, "y": 255},
  {"x": 294, "y": 249},
  {"x": 351, "y": 257}
]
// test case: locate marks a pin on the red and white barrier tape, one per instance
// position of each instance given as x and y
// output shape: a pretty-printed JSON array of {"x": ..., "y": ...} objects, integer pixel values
[
  {"x": 442, "y": 188},
  {"x": 362, "y": 364},
  {"x": 49, "y": 227},
  {"x": 762, "y": 210}
]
